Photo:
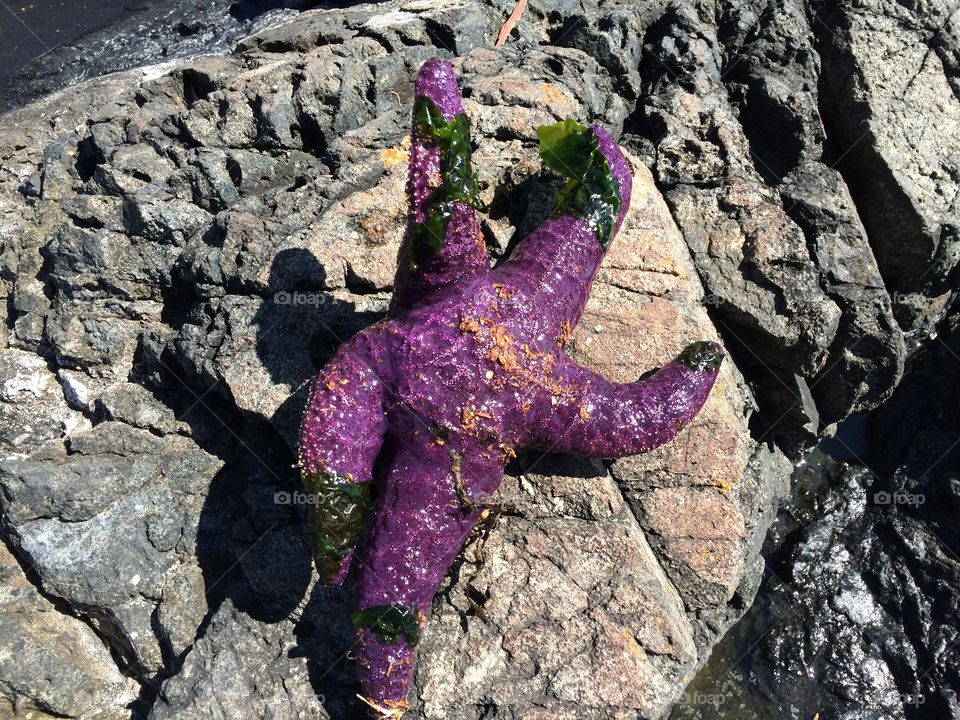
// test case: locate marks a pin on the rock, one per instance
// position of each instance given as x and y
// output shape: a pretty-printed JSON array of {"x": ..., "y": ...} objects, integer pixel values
[
  {"x": 877, "y": 108},
  {"x": 108, "y": 525},
  {"x": 854, "y": 572},
  {"x": 866, "y": 361},
  {"x": 613, "y": 34},
  {"x": 856, "y": 617},
  {"x": 134, "y": 405},
  {"x": 790, "y": 273},
  {"x": 754, "y": 259},
  {"x": 33, "y": 412},
  {"x": 53, "y": 665},
  {"x": 242, "y": 668},
  {"x": 644, "y": 306},
  {"x": 548, "y": 613},
  {"x": 774, "y": 74}
]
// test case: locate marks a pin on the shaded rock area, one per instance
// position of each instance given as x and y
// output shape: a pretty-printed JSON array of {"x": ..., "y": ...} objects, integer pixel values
[
  {"x": 184, "y": 246},
  {"x": 902, "y": 175},
  {"x": 731, "y": 112}
]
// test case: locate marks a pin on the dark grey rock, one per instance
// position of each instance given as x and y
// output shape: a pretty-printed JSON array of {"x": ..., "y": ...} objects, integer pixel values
[
  {"x": 734, "y": 106},
  {"x": 894, "y": 123},
  {"x": 108, "y": 524},
  {"x": 856, "y": 617},
  {"x": 53, "y": 665}
]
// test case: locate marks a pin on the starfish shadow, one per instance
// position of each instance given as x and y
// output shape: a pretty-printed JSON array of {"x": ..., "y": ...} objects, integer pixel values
[
  {"x": 299, "y": 328},
  {"x": 251, "y": 542}
]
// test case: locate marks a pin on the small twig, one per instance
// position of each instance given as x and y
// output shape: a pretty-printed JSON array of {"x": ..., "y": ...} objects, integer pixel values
[{"x": 511, "y": 22}]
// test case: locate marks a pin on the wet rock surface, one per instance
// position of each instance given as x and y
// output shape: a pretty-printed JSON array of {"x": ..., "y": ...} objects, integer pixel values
[
  {"x": 184, "y": 246},
  {"x": 59, "y": 46},
  {"x": 857, "y": 616}
]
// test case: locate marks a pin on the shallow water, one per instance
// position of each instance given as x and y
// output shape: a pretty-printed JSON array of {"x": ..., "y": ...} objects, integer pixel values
[{"x": 48, "y": 44}]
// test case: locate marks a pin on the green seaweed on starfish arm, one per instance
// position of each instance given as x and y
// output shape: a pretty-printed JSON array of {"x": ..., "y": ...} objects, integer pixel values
[
  {"x": 388, "y": 622},
  {"x": 591, "y": 192},
  {"x": 452, "y": 138},
  {"x": 337, "y": 506}
]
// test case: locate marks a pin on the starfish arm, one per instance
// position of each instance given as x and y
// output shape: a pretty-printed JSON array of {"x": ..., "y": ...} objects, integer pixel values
[
  {"x": 585, "y": 414},
  {"x": 424, "y": 514},
  {"x": 443, "y": 243},
  {"x": 340, "y": 437},
  {"x": 553, "y": 268}
]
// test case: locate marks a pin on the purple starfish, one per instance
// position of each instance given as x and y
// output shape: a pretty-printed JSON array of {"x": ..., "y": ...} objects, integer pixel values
[{"x": 468, "y": 366}]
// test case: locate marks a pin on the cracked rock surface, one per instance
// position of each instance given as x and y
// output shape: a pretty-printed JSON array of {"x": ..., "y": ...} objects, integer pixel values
[{"x": 181, "y": 248}]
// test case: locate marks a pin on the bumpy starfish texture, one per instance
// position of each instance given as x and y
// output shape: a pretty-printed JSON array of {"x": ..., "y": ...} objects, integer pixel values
[{"x": 468, "y": 366}]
